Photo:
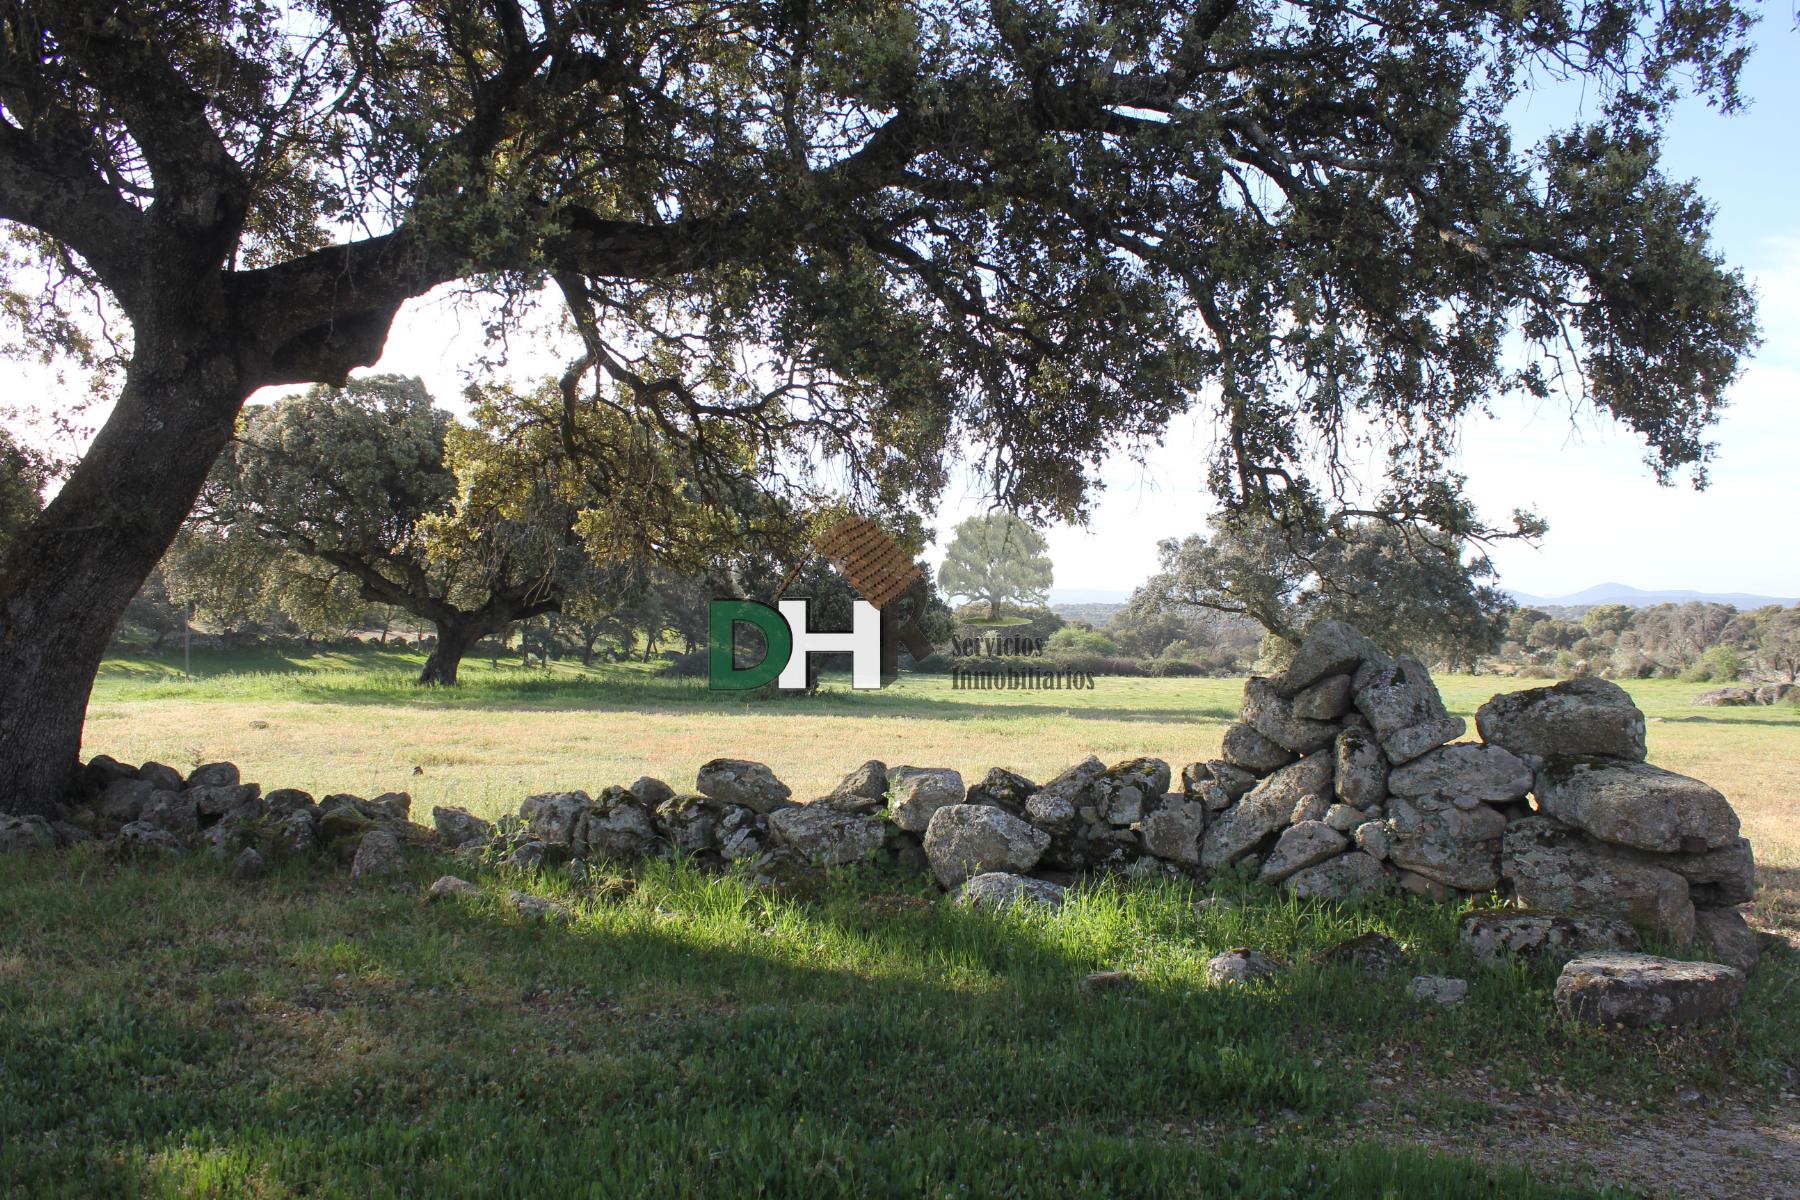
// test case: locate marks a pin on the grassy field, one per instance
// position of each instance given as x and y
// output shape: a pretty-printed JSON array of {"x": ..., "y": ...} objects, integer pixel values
[{"x": 166, "y": 1031}]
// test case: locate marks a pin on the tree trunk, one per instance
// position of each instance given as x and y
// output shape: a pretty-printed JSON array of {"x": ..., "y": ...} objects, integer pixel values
[
  {"x": 454, "y": 639},
  {"x": 67, "y": 579},
  {"x": 993, "y": 609}
]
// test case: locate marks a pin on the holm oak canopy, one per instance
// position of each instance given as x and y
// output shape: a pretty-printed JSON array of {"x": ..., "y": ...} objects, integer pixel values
[{"x": 866, "y": 234}]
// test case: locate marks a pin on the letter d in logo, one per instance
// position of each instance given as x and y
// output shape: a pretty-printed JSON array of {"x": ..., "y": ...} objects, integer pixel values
[{"x": 784, "y": 632}]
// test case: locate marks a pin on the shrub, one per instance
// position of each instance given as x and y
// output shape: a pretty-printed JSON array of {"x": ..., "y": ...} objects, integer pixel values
[{"x": 1070, "y": 640}]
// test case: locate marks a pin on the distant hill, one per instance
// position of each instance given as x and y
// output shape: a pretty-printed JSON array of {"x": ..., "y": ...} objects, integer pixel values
[
  {"x": 1620, "y": 593},
  {"x": 1087, "y": 596}
]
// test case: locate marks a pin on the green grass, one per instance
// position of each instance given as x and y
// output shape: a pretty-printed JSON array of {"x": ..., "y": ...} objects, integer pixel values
[{"x": 167, "y": 1032}]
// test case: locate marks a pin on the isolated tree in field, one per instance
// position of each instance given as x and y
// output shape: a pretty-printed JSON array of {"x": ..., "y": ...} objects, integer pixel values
[
  {"x": 996, "y": 559},
  {"x": 360, "y": 480},
  {"x": 1404, "y": 587},
  {"x": 863, "y": 234}
]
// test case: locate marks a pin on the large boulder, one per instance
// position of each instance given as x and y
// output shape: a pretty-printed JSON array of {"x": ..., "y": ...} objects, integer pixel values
[
  {"x": 1272, "y": 715},
  {"x": 1123, "y": 792},
  {"x": 1246, "y": 748},
  {"x": 743, "y": 834},
  {"x": 651, "y": 791},
  {"x": 458, "y": 826},
  {"x": 1643, "y": 989},
  {"x": 1003, "y": 789},
  {"x": 145, "y": 839},
  {"x": 1725, "y": 697},
  {"x": 1300, "y": 846},
  {"x": 173, "y": 811},
  {"x": 1488, "y": 774},
  {"x": 1578, "y": 718},
  {"x": 1172, "y": 831},
  {"x": 740, "y": 781},
  {"x": 1268, "y": 807},
  {"x": 862, "y": 790},
  {"x": 1439, "y": 839},
  {"x": 966, "y": 840},
  {"x": 619, "y": 826},
  {"x": 691, "y": 823},
  {"x": 125, "y": 799},
  {"x": 1054, "y": 807},
  {"x": 553, "y": 818},
  {"x": 827, "y": 835},
  {"x": 220, "y": 774},
  {"x": 998, "y": 890},
  {"x": 1493, "y": 935},
  {"x": 1557, "y": 869},
  {"x": 1638, "y": 805},
  {"x": 1404, "y": 709},
  {"x": 1216, "y": 784},
  {"x": 914, "y": 793},
  {"x": 1716, "y": 878},
  {"x": 1360, "y": 768},
  {"x": 25, "y": 833},
  {"x": 1326, "y": 700},
  {"x": 379, "y": 854},
  {"x": 1724, "y": 936},
  {"x": 1329, "y": 648}
]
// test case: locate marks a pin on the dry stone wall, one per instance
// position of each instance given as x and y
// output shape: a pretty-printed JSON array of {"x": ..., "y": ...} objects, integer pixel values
[{"x": 1345, "y": 776}]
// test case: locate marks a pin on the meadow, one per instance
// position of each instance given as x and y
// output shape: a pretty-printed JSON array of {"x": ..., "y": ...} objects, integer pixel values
[{"x": 166, "y": 1031}]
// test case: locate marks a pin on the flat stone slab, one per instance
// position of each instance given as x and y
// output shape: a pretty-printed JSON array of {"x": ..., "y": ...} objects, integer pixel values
[
  {"x": 1635, "y": 804},
  {"x": 1643, "y": 989}
]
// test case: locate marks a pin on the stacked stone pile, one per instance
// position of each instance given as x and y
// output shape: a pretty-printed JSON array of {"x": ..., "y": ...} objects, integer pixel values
[{"x": 1344, "y": 776}]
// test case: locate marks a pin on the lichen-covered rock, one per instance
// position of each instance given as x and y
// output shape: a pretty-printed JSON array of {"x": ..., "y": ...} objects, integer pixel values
[
  {"x": 101, "y": 771},
  {"x": 282, "y": 801},
  {"x": 619, "y": 827},
  {"x": 1724, "y": 936},
  {"x": 296, "y": 833},
  {"x": 914, "y": 793},
  {"x": 1123, "y": 792},
  {"x": 1241, "y": 965},
  {"x": 830, "y": 836},
  {"x": 458, "y": 826},
  {"x": 1237, "y": 831},
  {"x": 1272, "y": 715},
  {"x": 161, "y": 776},
  {"x": 998, "y": 890},
  {"x": 862, "y": 790},
  {"x": 125, "y": 799},
  {"x": 1716, "y": 878},
  {"x": 447, "y": 887},
  {"x": 1343, "y": 818},
  {"x": 1642, "y": 989},
  {"x": 1440, "y": 840},
  {"x": 1725, "y": 697},
  {"x": 1299, "y": 846},
  {"x": 379, "y": 854},
  {"x": 1489, "y": 774},
  {"x": 1494, "y": 935},
  {"x": 143, "y": 838},
  {"x": 25, "y": 833},
  {"x": 173, "y": 811},
  {"x": 1054, "y": 806},
  {"x": 1326, "y": 700},
  {"x": 1244, "y": 747},
  {"x": 540, "y": 908},
  {"x": 391, "y": 806},
  {"x": 1371, "y": 837},
  {"x": 1003, "y": 789},
  {"x": 1578, "y": 718},
  {"x": 1329, "y": 648},
  {"x": 740, "y": 781},
  {"x": 1172, "y": 831},
  {"x": 1349, "y": 876},
  {"x": 1372, "y": 953},
  {"x": 690, "y": 824},
  {"x": 1216, "y": 783},
  {"x": 743, "y": 834},
  {"x": 966, "y": 840},
  {"x": 1638, "y": 805},
  {"x": 220, "y": 774},
  {"x": 1361, "y": 769},
  {"x": 554, "y": 817},
  {"x": 650, "y": 791},
  {"x": 1557, "y": 869},
  {"x": 1404, "y": 709},
  {"x": 1309, "y": 808},
  {"x": 248, "y": 865},
  {"x": 787, "y": 873},
  {"x": 1442, "y": 990}
]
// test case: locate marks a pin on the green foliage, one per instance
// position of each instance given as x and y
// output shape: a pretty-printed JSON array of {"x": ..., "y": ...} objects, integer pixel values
[
  {"x": 1071, "y": 640},
  {"x": 996, "y": 559},
  {"x": 23, "y": 474},
  {"x": 1407, "y": 589},
  {"x": 1719, "y": 664}
]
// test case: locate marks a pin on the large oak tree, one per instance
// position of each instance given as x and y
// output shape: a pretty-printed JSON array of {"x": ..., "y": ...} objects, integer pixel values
[{"x": 856, "y": 233}]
